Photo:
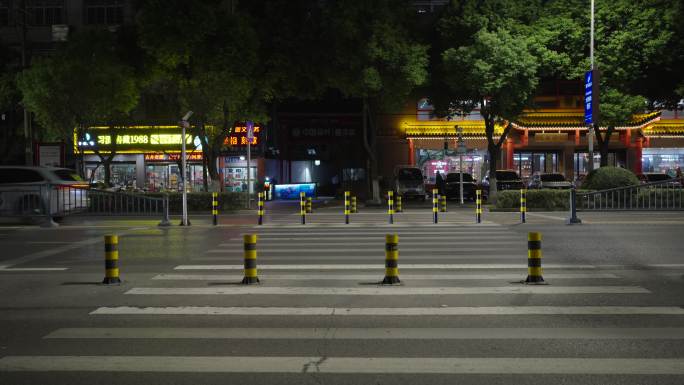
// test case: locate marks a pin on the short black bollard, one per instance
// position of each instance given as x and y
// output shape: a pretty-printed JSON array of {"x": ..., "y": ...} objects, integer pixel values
[
  {"x": 573, "y": 208},
  {"x": 354, "y": 209},
  {"x": 346, "y": 207},
  {"x": 400, "y": 209},
  {"x": 309, "y": 205},
  {"x": 250, "y": 257},
  {"x": 523, "y": 204},
  {"x": 435, "y": 202},
  {"x": 214, "y": 207},
  {"x": 390, "y": 206},
  {"x": 478, "y": 206},
  {"x": 260, "y": 207},
  {"x": 302, "y": 206},
  {"x": 111, "y": 260},
  {"x": 534, "y": 259},
  {"x": 391, "y": 260}
]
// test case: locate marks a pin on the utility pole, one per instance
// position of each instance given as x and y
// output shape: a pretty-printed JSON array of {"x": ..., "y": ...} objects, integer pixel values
[
  {"x": 591, "y": 132},
  {"x": 28, "y": 135},
  {"x": 184, "y": 125}
]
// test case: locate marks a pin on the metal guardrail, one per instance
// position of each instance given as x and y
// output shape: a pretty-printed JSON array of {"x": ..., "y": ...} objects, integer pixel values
[
  {"x": 654, "y": 196},
  {"x": 55, "y": 201}
]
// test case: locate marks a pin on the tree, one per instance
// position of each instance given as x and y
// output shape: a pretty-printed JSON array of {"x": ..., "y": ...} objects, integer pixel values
[
  {"x": 497, "y": 72},
  {"x": 212, "y": 65},
  {"x": 375, "y": 58},
  {"x": 639, "y": 52},
  {"x": 86, "y": 81}
]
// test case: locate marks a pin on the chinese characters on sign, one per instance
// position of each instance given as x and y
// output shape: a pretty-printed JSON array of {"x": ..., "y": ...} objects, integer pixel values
[
  {"x": 591, "y": 96},
  {"x": 323, "y": 132},
  {"x": 239, "y": 136},
  {"x": 172, "y": 157}
]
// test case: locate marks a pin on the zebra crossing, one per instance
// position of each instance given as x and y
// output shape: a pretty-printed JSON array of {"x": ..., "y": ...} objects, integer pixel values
[{"x": 319, "y": 310}]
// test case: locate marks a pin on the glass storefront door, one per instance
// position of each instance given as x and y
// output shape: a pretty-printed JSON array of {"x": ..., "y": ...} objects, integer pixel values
[
  {"x": 122, "y": 174},
  {"x": 662, "y": 160},
  {"x": 433, "y": 161},
  {"x": 235, "y": 178},
  {"x": 527, "y": 163},
  {"x": 167, "y": 176}
]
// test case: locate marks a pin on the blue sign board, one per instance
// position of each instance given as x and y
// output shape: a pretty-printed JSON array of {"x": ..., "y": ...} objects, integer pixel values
[
  {"x": 589, "y": 97},
  {"x": 291, "y": 191}
]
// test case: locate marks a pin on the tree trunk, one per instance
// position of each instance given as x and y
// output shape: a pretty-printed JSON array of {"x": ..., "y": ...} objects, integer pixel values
[
  {"x": 106, "y": 164},
  {"x": 493, "y": 151},
  {"x": 604, "y": 142},
  {"x": 372, "y": 163},
  {"x": 204, "y": 174}
]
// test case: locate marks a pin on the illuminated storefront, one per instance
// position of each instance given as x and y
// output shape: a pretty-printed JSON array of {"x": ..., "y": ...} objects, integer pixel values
[
  {"x": 148, "y": 157},
  {"x": 540, "y": 141}
]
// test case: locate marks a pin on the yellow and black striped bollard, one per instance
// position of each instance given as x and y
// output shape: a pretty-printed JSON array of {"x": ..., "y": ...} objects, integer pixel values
[
  {"x": 435, "y": 200},
  {"x": 302, "y": 206},
  {"x": 391, "y": 260},
  {"x": 443, "y": 203},
  {"x": 261, "y": 196},
  {"x": 534, "y": 259},
  {"x": 251, "y": 276},
  {"x": 214, "y": 207},
  {"x": 354, "y": 209},
  {"x": 400, "y": 209},
  {"x": 523, "y": 204},
  {"x": 478, "y": 206},
  {"x": 390, "y": 206},
  {"x": 111, "y": 260},
  {"x": 346, "y": 207},
  {"x": 309, "y": 205}
]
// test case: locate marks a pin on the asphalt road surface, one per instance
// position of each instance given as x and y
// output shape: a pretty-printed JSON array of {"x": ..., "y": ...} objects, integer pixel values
[{"x": 612, "y": 312}]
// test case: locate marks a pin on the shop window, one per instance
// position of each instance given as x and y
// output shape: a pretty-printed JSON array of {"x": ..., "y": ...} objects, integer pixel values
[
  {"x": 662, "y": 160},
  {"x": 4, "y": 13},
  {"x": 235, "y": 178},
  {"x": 528, "y": 163},
  {"x": 45, "y": 12},
  {"x": 104, "y": 12}
]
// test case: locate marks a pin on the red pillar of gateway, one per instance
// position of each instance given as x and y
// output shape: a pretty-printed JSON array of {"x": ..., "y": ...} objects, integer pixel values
[
  {"x": 411, "y": 153},
  {"x": 509, "y": 153},
  {"x": 638, "y": 146}
]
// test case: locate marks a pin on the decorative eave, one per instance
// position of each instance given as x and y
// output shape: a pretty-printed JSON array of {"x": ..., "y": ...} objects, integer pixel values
[{"x": 664, "y": 128}]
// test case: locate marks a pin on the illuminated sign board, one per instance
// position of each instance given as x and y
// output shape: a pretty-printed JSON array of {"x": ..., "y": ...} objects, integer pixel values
[
  {"x": 133, "y": 139},
  {"x": 239, "y": 136},
  {"x": 172, "y": 157}
]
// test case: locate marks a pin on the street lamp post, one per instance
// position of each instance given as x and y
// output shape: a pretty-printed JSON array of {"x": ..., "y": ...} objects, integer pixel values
[
  {"x": 184, "y": 125},
  {"x": 460, "y": 150},
  {"x": 250, "y": 136}
]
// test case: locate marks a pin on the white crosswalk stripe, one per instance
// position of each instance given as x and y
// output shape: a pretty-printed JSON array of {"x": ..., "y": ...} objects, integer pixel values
[{"x": 333, "y": 302}]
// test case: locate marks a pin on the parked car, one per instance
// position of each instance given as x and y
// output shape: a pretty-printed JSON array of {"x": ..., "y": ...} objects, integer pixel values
[
  {"x": 649, "y": 177},
  {"x": 549, "y": 180},
  {"x": 30, "y": 191},
  {"x": 409, "y": 182},
  {"x": 652, "y": 177},
  {"x": 505, "y": 180},
  {"x": 453, "y": 189}
]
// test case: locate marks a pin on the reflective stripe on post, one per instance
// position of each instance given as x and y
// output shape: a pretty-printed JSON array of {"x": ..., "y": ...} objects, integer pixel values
[
  {"x": 391, "y": 260},
  {"x": 250, "y": 256},
  {"x": 443, "y": 202},
  {"x": 261, "y": 197},
  {"x": 302, "y": 206},
  {"x": 478, "y": 206},
  {"x": 111, "y": 247},
  {"x": 214, "y": 207},
  {"x": 309, "y": 205},
  {"x": 534, "y": 259},
  {"x": 523, "y": 204},
  {"x": 346, "y": 207},
  {"x": 354, "y": 209},
  {"x": 390, "y": 206},
  {"x": 435, "y": 200},
  {"x": 400, "y": 209}
]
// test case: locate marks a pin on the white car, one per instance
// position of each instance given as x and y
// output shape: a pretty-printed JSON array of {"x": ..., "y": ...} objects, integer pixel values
[{"x": 31, "y": 191}]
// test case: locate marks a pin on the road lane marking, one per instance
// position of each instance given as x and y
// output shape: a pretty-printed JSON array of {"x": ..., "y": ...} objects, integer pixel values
[
  {"x": 394, "y": 312},
  {"x": 384, "y": 290},
  {"x": 369, "y": 333},
  {"x": 407, "y": 266},
  {"x": 343, "y": 277},
  {"x": 18, "y": 269},
  {"x": 303, "y": 365},
  {"x": 379, "y": 246}
]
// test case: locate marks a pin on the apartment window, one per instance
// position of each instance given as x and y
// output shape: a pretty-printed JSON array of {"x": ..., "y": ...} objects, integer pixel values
[
  {"x": 4, "y": 13},
  {"x": 104, "y": 12},
  {"x": 45, "y": 12}
]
